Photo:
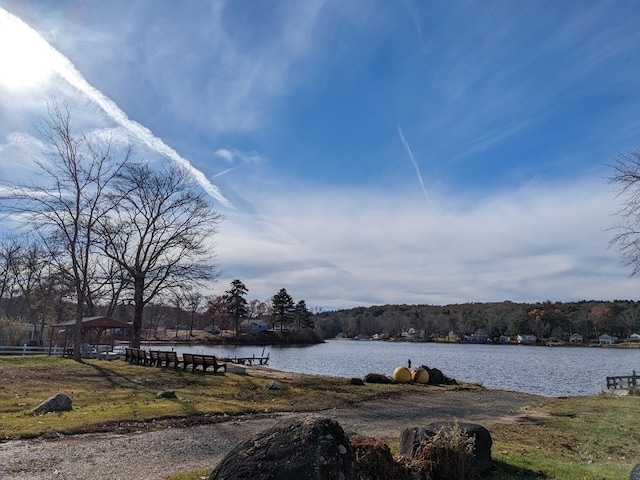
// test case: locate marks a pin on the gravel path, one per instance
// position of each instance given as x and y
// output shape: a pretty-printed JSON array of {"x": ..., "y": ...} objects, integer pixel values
[{"x": 156, "y": 454}]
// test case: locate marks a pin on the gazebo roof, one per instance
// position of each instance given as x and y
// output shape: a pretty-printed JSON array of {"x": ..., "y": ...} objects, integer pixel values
[{"x": 95, "y": 322}]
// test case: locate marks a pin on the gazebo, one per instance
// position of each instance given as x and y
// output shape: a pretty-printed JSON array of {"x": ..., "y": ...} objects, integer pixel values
[{"x": 99, "y": 324}]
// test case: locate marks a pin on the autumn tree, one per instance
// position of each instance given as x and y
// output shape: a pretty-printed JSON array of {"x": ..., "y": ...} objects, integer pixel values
[
  {"x": 67, "y": 198},
  {"x": 159, "y": 233},
  {"x": 236, "y": 302},
  {"x": 257, "y": 308},
  {"x": 217, "y": 311}
]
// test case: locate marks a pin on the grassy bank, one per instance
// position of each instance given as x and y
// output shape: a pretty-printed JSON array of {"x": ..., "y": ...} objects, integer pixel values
[
  {"x": 591, "y": 437},
  {"x": 117, "y": 395},
  {"x": 594, "y": 437}
]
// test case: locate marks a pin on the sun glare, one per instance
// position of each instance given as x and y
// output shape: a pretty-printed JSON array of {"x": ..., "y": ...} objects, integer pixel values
[{"x": 26, "y": 60}]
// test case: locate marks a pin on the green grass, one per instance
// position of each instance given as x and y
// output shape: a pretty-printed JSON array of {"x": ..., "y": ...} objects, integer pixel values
[{"x": 581, "y": 438}]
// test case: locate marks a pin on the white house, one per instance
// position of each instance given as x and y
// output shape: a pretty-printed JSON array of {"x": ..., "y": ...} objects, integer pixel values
[
  {"x": 607, "y": 339},
  {"x": 634, "y": 336},
  {"x": 575, "y": 338},
  {"x": 526, "y": 339},
  {"x": 254, "y": 326}
]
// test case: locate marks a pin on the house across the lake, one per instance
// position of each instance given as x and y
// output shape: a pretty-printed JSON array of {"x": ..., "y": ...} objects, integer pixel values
[
  {"x": 607, "y": 339},
  {"x": 575, "y": 338},
  {"x": 526, "y": 339},
  {"x": 254, "y": 326}
]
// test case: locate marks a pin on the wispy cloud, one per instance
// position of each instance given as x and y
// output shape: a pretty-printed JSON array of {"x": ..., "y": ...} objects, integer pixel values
[
  {"x": 415, "y": 164},
  {"x": 41, "y": 50}
]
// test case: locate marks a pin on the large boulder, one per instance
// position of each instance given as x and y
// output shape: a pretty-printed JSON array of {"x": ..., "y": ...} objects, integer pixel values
[
  {"x": 377, "y": 378},
  {"x": 298, "y": 449},
  {"x": 635, "y": 472},
  {"x": 436, "y": 377},
  {"x": 446, "y": 440},
  {"x": 56, "y": 403}
]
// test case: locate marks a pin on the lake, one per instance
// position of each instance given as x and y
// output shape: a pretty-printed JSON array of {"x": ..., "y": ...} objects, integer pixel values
[{"x": 548, "y": 371}]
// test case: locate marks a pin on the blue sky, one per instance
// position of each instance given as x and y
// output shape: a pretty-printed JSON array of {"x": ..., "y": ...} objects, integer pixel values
[{"x": 363, "y": 152}]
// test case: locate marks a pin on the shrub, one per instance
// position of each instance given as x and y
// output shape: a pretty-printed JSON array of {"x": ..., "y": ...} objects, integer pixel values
[{"x": 448, "y": 455}]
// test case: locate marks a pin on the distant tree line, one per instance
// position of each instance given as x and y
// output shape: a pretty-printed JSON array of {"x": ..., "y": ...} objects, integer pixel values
[{"x": 548, "y": 320}]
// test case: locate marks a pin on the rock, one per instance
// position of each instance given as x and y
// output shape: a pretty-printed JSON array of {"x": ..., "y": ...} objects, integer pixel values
[
  {"x": 271, "y": 385},
  {"x": 377, "y": 378},
  {"x": 356, "y": 381},
  {"x": 166, "y": 394},
  {"x": 436, "y": 377},
  {"x": 635, "y": 472},
  {"x": 57, "y": 403},
  {"x": 402, "y": 374},
  {"x": 299, "y": 449},
  {"x": 412, "y": 441}
]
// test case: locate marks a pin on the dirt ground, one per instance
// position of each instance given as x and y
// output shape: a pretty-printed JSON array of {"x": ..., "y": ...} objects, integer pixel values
[{"x": 154, "y": 454}]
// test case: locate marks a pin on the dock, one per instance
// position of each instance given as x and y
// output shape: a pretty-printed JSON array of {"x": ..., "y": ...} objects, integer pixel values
[
  {"x": 248, "y": 360},
  {"x": 623, "y": 381}
]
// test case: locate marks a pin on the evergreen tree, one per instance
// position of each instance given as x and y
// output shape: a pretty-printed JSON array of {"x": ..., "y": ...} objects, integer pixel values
[
  {"x": 303, "y": 315},
  {"x": 236, "y": 303},
  {"x": 282, "y": 306}
]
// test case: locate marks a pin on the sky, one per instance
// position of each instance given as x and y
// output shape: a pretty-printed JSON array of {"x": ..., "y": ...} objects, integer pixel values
[{"x": 362, "y": 152}]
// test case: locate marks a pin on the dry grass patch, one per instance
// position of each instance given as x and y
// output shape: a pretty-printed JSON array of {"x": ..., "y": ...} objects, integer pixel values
[{"x": 116, "y": 395}]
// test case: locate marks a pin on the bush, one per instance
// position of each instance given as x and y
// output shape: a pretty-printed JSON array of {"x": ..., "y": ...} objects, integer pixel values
[
  {"x": 448, "y": 455},
  {"x": 376, "y": 462}
]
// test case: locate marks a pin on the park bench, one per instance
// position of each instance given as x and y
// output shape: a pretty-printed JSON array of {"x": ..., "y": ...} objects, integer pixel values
[
  {"x": 154, "y": 357},
  {"x": 136, "y": 355},
  {"x": 167, "y": 358},
  {"x": 204, "y": 361}
]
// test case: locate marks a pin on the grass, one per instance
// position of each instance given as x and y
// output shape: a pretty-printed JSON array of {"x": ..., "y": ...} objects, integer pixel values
[
  {"x": 116, "y": 395},
  {"x": 578, "y": 438},
  {"x": 592, "y": 437}
]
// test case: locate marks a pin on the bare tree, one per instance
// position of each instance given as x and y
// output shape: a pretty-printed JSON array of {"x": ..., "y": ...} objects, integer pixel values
[
  {"x": 39, "y": 284},
  {"x": 9, "y": 256},
  {"x": 159, "y": 234},
  {"x": 626, "y": 178},
  {"x": 66, "y": 200}
]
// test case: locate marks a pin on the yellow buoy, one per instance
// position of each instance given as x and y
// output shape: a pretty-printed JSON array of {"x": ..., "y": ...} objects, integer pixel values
[
  {"x": 420, "y": 375},
  {"x": 402, "y": 374}
]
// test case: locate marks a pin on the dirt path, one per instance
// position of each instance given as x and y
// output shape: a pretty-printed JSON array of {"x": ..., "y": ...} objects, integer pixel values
[{"x": 156, "y": 454}]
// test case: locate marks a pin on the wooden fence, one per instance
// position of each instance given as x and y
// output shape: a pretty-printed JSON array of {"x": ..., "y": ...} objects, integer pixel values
[{"x": 623, "y": 381}]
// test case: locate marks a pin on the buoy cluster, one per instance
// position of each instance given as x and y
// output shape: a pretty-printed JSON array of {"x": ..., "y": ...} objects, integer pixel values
[{"x": 402, "y": 374}]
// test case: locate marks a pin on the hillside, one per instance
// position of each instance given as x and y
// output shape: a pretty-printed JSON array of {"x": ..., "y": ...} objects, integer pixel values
[{"x": 546, "y": 320}]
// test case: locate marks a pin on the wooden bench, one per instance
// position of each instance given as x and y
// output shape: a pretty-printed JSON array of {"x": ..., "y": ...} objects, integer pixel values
[
  {"x": 204, "y": 361},
  {"x": 167, "y": 358},
  {"x": 154, "y": 357},
  {"x": 136, "y": 355}
]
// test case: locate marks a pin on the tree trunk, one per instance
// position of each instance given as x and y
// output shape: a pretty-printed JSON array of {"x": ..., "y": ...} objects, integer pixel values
[
  {"x": 77, "y": 333},
  {"x": 138, "y": 308}
]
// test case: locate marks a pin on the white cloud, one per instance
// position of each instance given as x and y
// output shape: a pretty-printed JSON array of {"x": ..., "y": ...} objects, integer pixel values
[
  {"x": 340, "y": 249},
  {"x": 40, "y": 51}
]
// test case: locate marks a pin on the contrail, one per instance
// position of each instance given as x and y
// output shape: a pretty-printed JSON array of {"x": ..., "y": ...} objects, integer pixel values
[
  {"x": 415, "y": 164},
  {"x": 63, "y": 66}
]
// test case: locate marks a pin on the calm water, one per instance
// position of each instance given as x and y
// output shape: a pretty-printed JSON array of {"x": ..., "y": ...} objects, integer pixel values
[{"x": 549, "y": 371}]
